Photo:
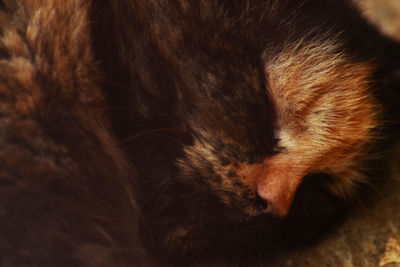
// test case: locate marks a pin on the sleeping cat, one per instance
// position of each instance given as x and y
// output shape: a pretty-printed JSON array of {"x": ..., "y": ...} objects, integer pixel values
[{"x": 145, "y": 132}]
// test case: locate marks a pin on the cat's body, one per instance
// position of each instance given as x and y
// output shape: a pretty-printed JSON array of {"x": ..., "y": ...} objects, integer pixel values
[{"x": 174, "y": 128}]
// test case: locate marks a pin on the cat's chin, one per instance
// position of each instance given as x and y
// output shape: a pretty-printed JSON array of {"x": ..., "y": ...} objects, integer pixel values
[
  {"x": 219, "y": 234},
  {"x": 247, "y": 215}
]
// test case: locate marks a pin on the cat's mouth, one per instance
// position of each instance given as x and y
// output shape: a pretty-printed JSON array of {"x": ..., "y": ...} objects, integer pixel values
[
  {"x": 272, "y": 187},
  {"x": 314, "y": 187},
  {"x": 274, "y": 183},
  {"x": 312, "y": 198}
]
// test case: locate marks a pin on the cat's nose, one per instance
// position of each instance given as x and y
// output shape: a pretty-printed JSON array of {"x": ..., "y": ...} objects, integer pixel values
[
  {"x": 277, "y": 189},
  {"x": 270, "y": 205},
  {"x": 275, "y": 181}
]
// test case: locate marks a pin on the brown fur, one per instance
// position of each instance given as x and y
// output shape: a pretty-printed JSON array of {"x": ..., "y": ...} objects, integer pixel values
[
  {"x": 52, "y": 190},
  {"x": 175, "y": 128},
  {"x": 326, "y": 116}
]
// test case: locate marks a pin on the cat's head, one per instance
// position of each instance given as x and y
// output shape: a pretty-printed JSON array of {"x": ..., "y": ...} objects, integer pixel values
[{"x": 316, "y": 114}]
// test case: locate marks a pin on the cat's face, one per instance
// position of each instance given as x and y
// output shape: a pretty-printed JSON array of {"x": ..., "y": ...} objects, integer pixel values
[{"x": 318, "y": 116}]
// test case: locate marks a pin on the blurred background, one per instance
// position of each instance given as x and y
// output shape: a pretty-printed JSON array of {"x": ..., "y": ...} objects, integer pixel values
[{"x": 384, "y": 14}]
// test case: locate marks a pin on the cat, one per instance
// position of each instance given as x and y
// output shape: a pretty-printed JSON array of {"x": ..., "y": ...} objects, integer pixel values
[{"x": 148, "y": 133}]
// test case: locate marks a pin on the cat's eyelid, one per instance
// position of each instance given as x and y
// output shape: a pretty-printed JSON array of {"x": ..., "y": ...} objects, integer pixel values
[{"x": 278, "y": 149}]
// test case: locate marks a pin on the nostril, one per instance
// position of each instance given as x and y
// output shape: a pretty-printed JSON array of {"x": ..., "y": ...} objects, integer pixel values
[{"x": 261, "y": 204}]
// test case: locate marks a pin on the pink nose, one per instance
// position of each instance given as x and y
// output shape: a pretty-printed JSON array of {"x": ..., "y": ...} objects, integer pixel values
[
  {"x": 275, "y": 181},
  {"x": 276, "y": 206},
  {"x": 277, "y": 188}
]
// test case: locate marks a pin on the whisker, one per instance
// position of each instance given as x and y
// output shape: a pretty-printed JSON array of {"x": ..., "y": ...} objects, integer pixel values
[
  {"x": 120, "y": 85},
  {"x": 119, "y": 108},
  {"x": 133, "y": 137}
]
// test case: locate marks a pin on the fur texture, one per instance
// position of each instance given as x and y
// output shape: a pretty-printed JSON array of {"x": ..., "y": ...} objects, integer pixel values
[
  {"x": 66, "y": 188},
  {"x": 135, "y": 132}
]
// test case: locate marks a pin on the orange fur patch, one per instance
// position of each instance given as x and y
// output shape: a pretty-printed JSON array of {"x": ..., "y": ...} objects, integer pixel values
[{"x": 325, "y": 111}]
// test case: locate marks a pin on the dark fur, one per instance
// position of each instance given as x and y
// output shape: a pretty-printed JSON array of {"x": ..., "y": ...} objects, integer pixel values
[{"x": 100, "y": 104}]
